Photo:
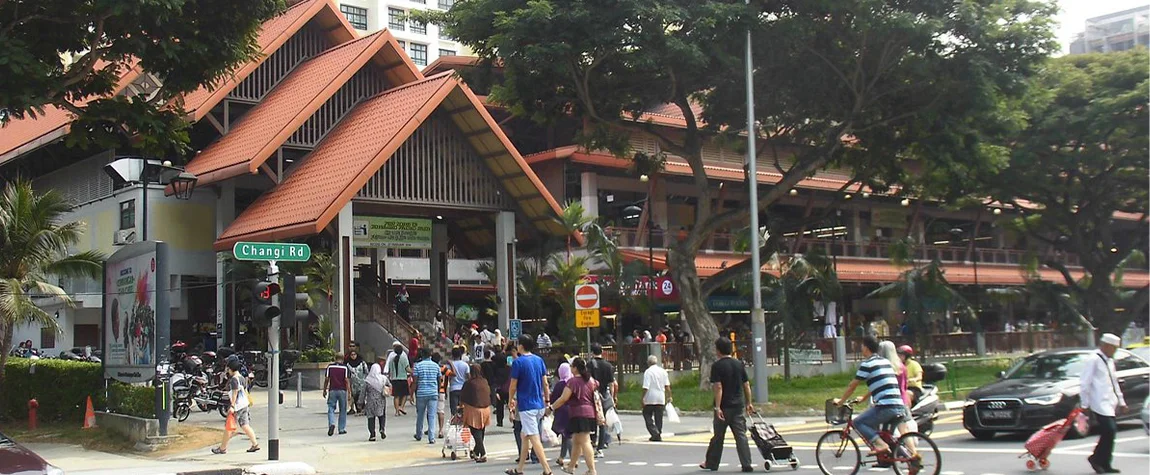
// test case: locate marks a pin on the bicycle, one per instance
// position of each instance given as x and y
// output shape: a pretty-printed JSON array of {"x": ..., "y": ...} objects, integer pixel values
[{"x": 911, "y": 454}]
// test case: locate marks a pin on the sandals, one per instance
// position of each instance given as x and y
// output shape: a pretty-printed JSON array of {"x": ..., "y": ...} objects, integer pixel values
[
  {"x": 513, "y": 471},
  {"x": 254, "y": 448},
  {"x": 568, "y": 470},
  {"x": 218, "y": 451}
]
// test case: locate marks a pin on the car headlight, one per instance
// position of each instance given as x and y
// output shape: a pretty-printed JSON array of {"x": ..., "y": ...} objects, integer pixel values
[
  {"x": 1044, "y": 400},
  {"x": 968, "y": 403},
  {"x": 54, "y": 471}
]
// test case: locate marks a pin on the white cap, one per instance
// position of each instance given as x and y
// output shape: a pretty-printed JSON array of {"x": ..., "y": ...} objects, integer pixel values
[{"x": 1111, "y": 339}]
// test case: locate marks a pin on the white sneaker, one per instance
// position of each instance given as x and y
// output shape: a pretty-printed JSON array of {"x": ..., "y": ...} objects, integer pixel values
[{"x": 599, "y": 454}]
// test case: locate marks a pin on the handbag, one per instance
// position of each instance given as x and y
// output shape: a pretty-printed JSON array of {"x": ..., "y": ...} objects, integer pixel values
[{"x": 600, "y": 416}]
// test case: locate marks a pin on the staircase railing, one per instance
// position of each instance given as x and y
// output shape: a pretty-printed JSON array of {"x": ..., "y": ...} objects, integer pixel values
[{"x": 367, "y": 297}]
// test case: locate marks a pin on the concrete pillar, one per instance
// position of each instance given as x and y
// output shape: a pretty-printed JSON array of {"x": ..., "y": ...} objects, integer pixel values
[
  {"x": 345, "y": 276},
  {"x": 659, "y": 206},
  {"x": 505, "y": 268},
  {"x": 856, "y": 230},
  {"x": 841, "y": 354},
  {"x": 225, "y": 214},
  {"x": 439, "y": 279},
  {"x": 980, "y": 344},
  {"x": 589, "y": 183}
]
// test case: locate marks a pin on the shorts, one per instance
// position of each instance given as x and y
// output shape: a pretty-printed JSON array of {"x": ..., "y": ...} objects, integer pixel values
[
  {"x": 399, "y": 388},
  {"x": 531, "y": 421},
  {"x": 442, "y": 406},
  {"x": 243, "y": 417},
  {"x": 582, "y": 425}
]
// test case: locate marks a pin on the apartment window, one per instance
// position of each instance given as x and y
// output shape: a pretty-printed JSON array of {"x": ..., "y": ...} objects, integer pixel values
[
  {"x": 395, "y": 18},
  {"x": 447, "y": 52},
  {"x": 419, "y": 27},
  {"x": 355, "y": 15},
  {"x": 402, "y": 44},
  {"x": 127, "y": 214},
  {"x": 446, "y": 4},
  {"x": 420, "y": 1},
  {"x": 443, "y": 35},
  {"x": 47, "y": 338},
  {"x": 419, "y": 54}
]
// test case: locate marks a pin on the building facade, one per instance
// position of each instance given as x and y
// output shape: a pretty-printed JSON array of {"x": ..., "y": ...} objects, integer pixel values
[
  {"x": 1118, "y": 31},
  {"x": 423, "y": 42}
]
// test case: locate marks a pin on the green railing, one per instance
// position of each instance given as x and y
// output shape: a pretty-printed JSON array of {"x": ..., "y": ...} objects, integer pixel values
[{"x": 966, "y": 374}]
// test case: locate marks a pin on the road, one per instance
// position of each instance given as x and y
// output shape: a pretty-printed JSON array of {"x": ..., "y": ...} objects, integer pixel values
[{"x": 961, "y": 454}]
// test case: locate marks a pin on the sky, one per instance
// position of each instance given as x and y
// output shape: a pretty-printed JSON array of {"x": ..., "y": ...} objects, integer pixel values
[{"x": 1073, "y": 15}]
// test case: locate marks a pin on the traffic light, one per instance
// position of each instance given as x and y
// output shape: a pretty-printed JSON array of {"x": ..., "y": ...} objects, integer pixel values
[
  {"x": 264, "y": 307},
  {"x": 293, "y": 300}
]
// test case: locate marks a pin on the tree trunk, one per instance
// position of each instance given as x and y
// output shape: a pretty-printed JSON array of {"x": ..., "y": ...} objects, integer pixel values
[
  {"x": 694, "y": 310},
  {"x": 5, "y": 347},
  {"x": 1100, "y": 299}
]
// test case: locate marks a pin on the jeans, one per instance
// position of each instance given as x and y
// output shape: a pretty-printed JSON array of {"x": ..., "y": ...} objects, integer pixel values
[
  {"x": 454, "y": 399},
  {"x": 1104, "y": 451},
  {"x": 869, "y": 421},
  {"x": 477, "y": 436},
  {"x": 336, "y": 398},
  {"x": 653, "y": 416},
  {"x": 737, "y": 421},
  {"x": 426, "y": 408},
  {"x": 565, "y": 446},
  {"x": 500, "y": 403},
  {"x": 371, "y": 424}
]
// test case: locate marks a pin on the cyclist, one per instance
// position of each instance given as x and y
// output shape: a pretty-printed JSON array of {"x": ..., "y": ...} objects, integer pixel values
[{"x": 886, "y": 400}]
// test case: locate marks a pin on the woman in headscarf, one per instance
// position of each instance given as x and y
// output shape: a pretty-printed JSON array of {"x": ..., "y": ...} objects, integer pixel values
[
  {"x": 563, "y": 414},
  {"x": 476, "y": 402},
  {"x": 374, "y": 398}
]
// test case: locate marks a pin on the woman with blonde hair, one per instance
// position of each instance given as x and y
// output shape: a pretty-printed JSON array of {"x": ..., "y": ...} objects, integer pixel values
[{"x": 886, "y": 349}]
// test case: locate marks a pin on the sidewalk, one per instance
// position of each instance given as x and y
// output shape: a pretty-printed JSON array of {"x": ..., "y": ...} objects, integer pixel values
[{"x": 303, "y": 438}]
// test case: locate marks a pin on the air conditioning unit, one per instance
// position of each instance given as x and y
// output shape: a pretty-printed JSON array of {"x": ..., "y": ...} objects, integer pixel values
[{"x": 124, "y": 236}]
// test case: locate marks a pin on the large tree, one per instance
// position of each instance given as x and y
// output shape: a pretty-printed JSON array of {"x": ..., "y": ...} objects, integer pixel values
[
  {"x": 1080, "y": 159},
  {"x": 882, "y": 88},
  {"x": 71, "y": 54}
]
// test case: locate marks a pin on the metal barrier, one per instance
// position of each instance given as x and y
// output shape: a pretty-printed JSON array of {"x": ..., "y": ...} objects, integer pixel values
[{"x": 955, "y": 367}]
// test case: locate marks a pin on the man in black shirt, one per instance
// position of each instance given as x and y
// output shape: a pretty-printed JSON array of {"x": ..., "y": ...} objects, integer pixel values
[
  {"x": 603, "y": 372},
  {"x": 732, "y": 398}
]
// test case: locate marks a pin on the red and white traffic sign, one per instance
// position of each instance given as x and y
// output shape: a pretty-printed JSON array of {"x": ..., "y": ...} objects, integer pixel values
[{"x": 587, "y": 296}]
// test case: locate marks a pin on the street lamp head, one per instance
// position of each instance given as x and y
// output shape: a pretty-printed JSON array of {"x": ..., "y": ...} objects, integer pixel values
[
  {"x": 847, "y": 196},
  {"x": 905, "y": 202},
  {"x": 644, "y": 178},
  {"x": 1114, "y": 250},
  {"x": 793, "y": 192},
  {"x": 956, "y": 231},
  {"x": 167, "y": 163},
  {"x": 183, "y": 185},
  {"x": 997, "y": 211},
  {"x": 631, "y": 214}
]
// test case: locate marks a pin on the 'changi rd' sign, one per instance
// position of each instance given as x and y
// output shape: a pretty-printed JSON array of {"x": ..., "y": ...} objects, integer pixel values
[{"x": 271, "y": 251}]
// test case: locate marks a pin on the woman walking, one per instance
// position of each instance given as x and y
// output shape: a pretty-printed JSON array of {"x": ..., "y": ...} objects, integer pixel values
[
  {"x": 562, "y": 414},
  {"x": 399, "y": 370},
  {"x": 374, "y": 399},
  {"x": 500, "y": 382},
  {"x": 580, "y": 395},
  {"x": 476, "y": 402},
  {"x": 357, "y": 369}
]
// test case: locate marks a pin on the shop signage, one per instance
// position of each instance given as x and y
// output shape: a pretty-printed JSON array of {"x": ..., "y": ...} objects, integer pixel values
[
  {"x": 130, "y": 313},
  {"x": 384, "y": 232}
]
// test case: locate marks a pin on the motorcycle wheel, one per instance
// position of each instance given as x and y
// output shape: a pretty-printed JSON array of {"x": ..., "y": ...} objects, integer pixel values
[
  {"x": 261, "y": 379},
  {"x": 182, "y": 412},
  {"x": 223, "y": 410}
]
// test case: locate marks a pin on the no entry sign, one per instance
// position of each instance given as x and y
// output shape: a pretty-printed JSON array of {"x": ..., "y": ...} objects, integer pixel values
[{"x": 587, "y": 306}]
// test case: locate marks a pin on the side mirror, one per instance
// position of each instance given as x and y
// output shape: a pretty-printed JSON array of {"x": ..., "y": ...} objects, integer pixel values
[{"x": 1002, "y": 375}]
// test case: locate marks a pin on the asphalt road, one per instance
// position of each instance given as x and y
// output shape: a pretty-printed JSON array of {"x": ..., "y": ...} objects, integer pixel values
[{"x": 961, "y": 454}]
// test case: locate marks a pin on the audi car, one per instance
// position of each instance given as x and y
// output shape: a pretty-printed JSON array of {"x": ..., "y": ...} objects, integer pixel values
[{"x": 1043, "y": 388}]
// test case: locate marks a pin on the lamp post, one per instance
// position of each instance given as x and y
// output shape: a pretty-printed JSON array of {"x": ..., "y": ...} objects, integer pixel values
[{"x": 130, "y": 170}]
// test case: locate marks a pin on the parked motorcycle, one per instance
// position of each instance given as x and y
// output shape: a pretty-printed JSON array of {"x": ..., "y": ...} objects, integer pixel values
[{"x": 259, "y": 367}]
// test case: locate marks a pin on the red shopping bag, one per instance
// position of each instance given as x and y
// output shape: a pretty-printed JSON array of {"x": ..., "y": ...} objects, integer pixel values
[{"x": 230, "y": 424}]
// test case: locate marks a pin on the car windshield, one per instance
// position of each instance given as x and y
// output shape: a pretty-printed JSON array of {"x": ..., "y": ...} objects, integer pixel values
[
  {"x": 1059, "y": 366},
  {"x": 1142, "y": 352}
]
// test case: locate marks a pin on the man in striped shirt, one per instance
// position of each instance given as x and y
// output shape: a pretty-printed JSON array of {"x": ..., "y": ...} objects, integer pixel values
[{"x": 886, "y": 399}]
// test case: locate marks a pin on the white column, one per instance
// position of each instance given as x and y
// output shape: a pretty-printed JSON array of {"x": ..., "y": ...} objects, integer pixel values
[
  {"x": 225, "y": 214},
  {"x": 345, "y": 324},
  {"x": 589, "y": 183},
  {"x": 505, "y": 267},
  {"x": 439, "y": 284}
]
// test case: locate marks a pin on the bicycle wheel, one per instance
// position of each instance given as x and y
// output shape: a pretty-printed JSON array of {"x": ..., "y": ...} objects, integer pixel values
[
  {"x": 838, "y": 454},
  {"x": 916, "y": 454}
]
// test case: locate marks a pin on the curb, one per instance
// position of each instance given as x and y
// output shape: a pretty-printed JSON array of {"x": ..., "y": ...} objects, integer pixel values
[{"x": 280, "y": 468}]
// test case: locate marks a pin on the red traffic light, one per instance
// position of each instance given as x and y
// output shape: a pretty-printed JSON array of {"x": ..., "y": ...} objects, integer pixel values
[{"x": 269, "y": 291}]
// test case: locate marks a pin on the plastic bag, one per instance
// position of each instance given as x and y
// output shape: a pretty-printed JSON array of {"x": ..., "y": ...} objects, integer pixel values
[
  {"x": 230, "y": 424},
  {"x": 672, "y": 414},
  {"x": 614, "y": 425},
  {"x": 550, "y": 438}
]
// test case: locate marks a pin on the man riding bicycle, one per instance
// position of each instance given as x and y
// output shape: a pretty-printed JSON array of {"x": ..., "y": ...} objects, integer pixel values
[{"x": 886, "y": 399}]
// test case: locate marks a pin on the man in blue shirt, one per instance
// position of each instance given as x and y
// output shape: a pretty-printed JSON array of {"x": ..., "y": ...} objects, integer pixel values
[
  {"x": 461, "y": 373},
  {"x": 426, "y": 375},
  {"x": 886, "y": 399},
  {"x": 528, "y": 390}
]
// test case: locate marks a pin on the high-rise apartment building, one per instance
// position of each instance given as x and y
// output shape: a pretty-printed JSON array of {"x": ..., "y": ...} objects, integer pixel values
[
  {"x": 1118, "y": 31},
  {"x": 423, "y": 42}
]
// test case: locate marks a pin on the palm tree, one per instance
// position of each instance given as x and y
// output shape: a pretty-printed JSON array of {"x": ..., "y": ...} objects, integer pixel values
[
  {"x": 574, "y": 220},
  {"x": 567, "y": 275},
  {"x": 33, "y": 248},
  {"x": 801, "y": 281}
]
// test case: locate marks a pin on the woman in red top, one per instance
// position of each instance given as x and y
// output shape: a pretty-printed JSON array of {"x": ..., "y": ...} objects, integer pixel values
[{"x": 579, "y": 395}]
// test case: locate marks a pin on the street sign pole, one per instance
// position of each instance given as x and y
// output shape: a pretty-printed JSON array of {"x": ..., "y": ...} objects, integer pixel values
[{"x": 274, "y": 375}]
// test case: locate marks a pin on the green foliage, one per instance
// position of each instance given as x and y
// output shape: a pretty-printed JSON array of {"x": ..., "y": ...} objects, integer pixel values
[
  {"x": 132, "y": 400},
  {"x": 317, "y": 355},
  {"x": 60, "y": 386},
  {"x": 919, "y": 290},
  {"x": 64, "y": 52},
  {"x": 1079, "y": 159}
]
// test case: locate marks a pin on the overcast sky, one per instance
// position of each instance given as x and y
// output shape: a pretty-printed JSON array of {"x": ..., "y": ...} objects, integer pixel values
[{"x": 1073, "y": 15}]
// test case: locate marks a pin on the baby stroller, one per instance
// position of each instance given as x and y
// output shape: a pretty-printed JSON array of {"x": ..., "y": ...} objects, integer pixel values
[
  {"x": 1039, "y": 445},
  {"x": 457, "y": 438},
  {"x": 774, "y": 449}
]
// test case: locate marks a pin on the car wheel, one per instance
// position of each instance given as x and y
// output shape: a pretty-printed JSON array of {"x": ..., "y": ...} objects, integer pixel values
[{"x": 982, "y": 434}]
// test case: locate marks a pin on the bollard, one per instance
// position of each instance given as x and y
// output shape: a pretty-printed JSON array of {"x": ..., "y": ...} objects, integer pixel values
[
  {"x": 980, "y": 344},
  {"x": 299, "y": 389},
  {"x": 841, "y": 354},
  {"x": 32, "y": 406}
]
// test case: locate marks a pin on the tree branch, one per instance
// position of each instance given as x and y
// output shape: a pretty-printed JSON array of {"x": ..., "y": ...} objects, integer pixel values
[{"x": 1070, "y": 282}]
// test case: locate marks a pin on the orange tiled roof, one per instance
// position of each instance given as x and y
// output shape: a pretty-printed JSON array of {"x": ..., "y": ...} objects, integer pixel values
[
  {"x": 853, "y": 269},
  {"x": 271, "y": 122}
]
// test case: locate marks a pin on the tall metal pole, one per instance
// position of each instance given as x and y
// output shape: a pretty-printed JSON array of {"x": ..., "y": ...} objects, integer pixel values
[
  {"x": 274, "y": 375},
  {"x": 758, "y": 320}
]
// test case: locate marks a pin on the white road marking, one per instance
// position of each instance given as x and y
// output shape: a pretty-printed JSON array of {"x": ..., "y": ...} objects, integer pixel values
[
  {"x": 613, "y": 462},
  {"x": 721, "y": 465},
  {"x": 877, "y": 469},
  {"x": 844, "y": 468},
  {"x": 950, "y": 473},
  {"x": 637, "y": 464},
  {"x": 1092, "y": 444},
  {"x": 665, "y": 464}
]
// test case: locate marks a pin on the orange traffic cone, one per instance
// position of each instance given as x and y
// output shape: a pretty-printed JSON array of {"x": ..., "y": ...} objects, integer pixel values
[{"x": 89, "y": 415}]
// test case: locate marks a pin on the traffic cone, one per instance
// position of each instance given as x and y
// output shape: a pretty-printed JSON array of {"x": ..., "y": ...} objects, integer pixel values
[{"x": 89, "y": 415}]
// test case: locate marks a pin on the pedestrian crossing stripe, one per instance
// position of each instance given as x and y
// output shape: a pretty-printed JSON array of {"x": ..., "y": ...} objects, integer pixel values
[{"x": 705, "y": 437}]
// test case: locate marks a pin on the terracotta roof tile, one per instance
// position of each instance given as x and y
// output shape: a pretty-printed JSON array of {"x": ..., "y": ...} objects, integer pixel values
[
  {"x": 271, "y": 122},
  {"x": 339, "y": 166}
]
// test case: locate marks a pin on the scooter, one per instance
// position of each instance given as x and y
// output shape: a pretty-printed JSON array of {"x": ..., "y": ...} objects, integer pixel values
[{"x": 927, "y": 406}]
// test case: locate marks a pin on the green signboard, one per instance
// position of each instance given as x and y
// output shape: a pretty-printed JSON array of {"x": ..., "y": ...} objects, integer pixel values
[
  {"x": 375, "y": 231},
  {"x": 271, "y": 251}
]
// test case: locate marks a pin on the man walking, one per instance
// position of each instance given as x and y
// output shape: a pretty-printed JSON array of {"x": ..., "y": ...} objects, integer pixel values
[
  {"x": 461, "y": 372},
  {"x": 529, "y": 389},
  {"x": 1101, "y": 395},
  {"x": 603, "y": 372},
  {"x": 427, "y": 381},
  {"x": 656, "y": 395},
  {"x": 732, "y": 397},
  {"x": 336, "y": 388}
]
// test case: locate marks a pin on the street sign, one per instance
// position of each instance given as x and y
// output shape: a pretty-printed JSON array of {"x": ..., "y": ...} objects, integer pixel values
[
  {"x": 271, "y": 251},
  {"x": 516, "y": 329},
  {"x": 586, "y": 296},
  {"x": 587, "y": 318}
]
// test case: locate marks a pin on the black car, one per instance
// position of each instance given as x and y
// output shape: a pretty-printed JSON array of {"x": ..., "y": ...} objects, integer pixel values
[{"x": 1042, "y": 388}]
